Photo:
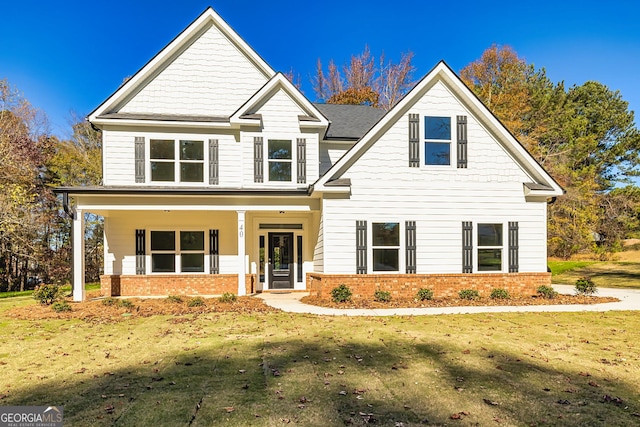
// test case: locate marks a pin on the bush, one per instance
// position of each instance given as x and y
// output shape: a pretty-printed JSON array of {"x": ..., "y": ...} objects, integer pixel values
[
  {"x": 585, "y": 286},
  {"x": 547, "y": 292},
  {"x": 382, "y": 296},
  {"x": 47, "y": 294},
  {"x": 424, "y": 294},
  {"x": 228, "y": 297},
  {"x": 341, "y": 293},
  {"x": 109, "y": 302},
  {"x": 174, "y": 299},
  {"x": 499, "y": 293},
  {"x": 125, "y": 303},
  {"x": 195, "y": 302},
  {"x": 470, "y": 294},
  {"x": 60, "y": 306}
]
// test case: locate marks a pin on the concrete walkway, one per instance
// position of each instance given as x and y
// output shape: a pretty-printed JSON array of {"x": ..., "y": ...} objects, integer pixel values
[{"x": 290, "y": 302}]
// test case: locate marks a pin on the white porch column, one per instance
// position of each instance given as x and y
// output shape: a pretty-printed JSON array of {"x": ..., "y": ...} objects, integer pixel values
[
  {"x": 242, "y": 288},
  {"x": 77, "y": 238}
]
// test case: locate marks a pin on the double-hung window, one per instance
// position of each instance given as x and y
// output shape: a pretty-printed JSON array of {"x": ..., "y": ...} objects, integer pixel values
[
  {"x": 490, "y": 245},
  {"x": 437, "y": 140},
  {"x": 166, "y": 251},
  {"x": 183, "y": 159},
  {"x": 280, "y": 160},
  {"x": 385, "y": 242}
]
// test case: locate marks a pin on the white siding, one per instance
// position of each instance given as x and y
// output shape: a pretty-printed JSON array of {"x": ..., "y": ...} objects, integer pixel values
[
  {"x": 211, "y": 77},
  {"x": 318, "y": 250},
  {"x": 385, "y": 189}
]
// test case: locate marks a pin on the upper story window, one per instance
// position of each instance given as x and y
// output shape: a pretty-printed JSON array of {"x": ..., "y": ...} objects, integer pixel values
[
  {"x": 437, "y": 140},
  {"x": 170, "y": 159},
  {"x": 385, "y": 243},
  {"x": 490, "y": 247},
  {"x": 280, "y": 159}
]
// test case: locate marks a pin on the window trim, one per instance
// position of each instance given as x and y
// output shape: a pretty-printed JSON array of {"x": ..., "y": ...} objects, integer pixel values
[
  {"x": 178, "y": 252},
  {"x": 401, "y": 245},
  {"x": 478, "y": 247},
  {"x": 177, "y": 161},
  {"x": 424, "y": 140},
  {"x": 268, "y": 160}
]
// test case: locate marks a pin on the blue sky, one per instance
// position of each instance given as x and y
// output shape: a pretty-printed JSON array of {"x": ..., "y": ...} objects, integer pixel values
[{"x": 71, "y": 55}]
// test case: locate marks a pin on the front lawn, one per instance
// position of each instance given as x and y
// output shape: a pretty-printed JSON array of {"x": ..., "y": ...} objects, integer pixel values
[{"x": 264, "y": 369}]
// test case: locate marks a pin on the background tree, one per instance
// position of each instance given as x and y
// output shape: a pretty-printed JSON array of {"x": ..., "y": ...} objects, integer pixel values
[
  {"x": 365, "y": 81},
  {"x": 585, "y": 136}
]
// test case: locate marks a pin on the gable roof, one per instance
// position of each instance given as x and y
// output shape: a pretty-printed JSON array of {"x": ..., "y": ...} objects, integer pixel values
[
  {"x": 246, "y": 114},
  {"x": 349, "y": 122},
  {"x": 545, "y": 185},
  {"x": 206, "y": 20}
]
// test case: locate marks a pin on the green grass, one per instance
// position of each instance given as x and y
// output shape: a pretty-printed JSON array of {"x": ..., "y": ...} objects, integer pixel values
[
  {"x": 279, "y": 368},
  {"x": 606, "y": 274},
  {"x": 65, "y": 288}
]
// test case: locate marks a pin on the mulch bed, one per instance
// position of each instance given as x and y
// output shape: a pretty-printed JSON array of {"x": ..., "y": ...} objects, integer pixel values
[
  {"x": 98, "y": 311},
  {"x": 457, "y": 302}
]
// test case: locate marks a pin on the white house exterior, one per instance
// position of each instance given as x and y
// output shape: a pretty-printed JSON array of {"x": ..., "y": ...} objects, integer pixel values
[{"x": 220, "y": 176}]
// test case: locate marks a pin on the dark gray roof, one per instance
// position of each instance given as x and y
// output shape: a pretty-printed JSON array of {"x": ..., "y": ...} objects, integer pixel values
[
  {"x": 349, "y": 121},
  {"x": 535, "y": 186}
]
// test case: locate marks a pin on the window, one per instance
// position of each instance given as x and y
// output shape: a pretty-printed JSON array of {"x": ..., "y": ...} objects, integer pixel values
[
  {"x": 280, "y": 160},
  {"x": 190, "y": 253},
  {"x": 164, "y": 168},
  {"x": 490, "y": 247},
  {"x": 437, "y": 145},
  {"x": 385, "y": 242}
]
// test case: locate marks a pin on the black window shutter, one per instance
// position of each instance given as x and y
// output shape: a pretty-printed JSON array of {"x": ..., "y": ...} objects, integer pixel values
[
  {"x": 414, "y": 140},
  {"x": 513, "y": 247},
  {"x": 410, "y": 228},
  {"x": 361, "y": 247},
  {"x": 139, "y": 156},
  {"x": 299, "y": 254},
  {"x": 258, "y": 165},
  {"x": 213, "y": 162},
  {"x": 467, "y": 247},
  {"x": 214, "y": 252},
  {"x": 302, "y": 161},
  {"x": 140, "y": 251},
  {"x": 462, "y": 142}
]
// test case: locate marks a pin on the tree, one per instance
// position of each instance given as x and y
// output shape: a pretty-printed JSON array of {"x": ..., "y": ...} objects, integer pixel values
[
  {"x": 584, "y": 136},
  {"x": 365, "y": 82}
]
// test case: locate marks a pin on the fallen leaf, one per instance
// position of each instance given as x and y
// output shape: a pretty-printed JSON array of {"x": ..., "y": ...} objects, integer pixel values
[
  {"x": 490, "y": 402},
  {"x": 593, "y": 384},
  {"x": 229, "y": 408},
  {"x": 109, "y": 408}
]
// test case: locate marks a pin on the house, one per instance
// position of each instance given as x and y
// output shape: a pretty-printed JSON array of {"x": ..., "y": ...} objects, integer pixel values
[{"x": 220, "y": 176}]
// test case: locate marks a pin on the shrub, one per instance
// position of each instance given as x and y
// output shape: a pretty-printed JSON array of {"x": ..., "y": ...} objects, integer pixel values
[
  {"x": 341, "y": 293},
  {"x": 499, "y": 293},
  {"x": 424, "y": 294},
  {"x": 47, "y": 294},
  {"x": 175, "y": 299},
  {"x": 585, "y": 286},
  {"x": 195, "y": 302},
  {"x": 228, "y": 297},
  {"x": 125, "y": 303},
  {"x": 60, "y": 306},
  {"x": 470, "y": 294},
  {"x": 382, "y": 296},
  {"x": 547, "y": 292},
  {"x": 109, "y": 302}
]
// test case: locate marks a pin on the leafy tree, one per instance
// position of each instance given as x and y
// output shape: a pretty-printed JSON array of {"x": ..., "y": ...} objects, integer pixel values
[{"x": 585, "y": 136}]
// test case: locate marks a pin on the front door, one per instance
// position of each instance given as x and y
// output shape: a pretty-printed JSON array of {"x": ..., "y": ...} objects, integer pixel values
[{"x": 280, "y": 260}]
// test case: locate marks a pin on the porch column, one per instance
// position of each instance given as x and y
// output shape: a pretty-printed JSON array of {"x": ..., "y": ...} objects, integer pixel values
[
  {"x": 77, "y": 239},
  {"x": 242, "y": 288}
]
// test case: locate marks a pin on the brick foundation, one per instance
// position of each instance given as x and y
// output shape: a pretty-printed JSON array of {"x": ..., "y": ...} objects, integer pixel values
[
  {"x": 169, "y": 284},
  {"x": 442, "y": 285}
]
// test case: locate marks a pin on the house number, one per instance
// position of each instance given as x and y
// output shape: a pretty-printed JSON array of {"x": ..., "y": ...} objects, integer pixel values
[{"x": 241, "y": 231}]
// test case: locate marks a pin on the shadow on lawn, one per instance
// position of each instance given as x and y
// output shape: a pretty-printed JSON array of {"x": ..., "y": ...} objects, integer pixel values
[{"x": 330, "y": 380}]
